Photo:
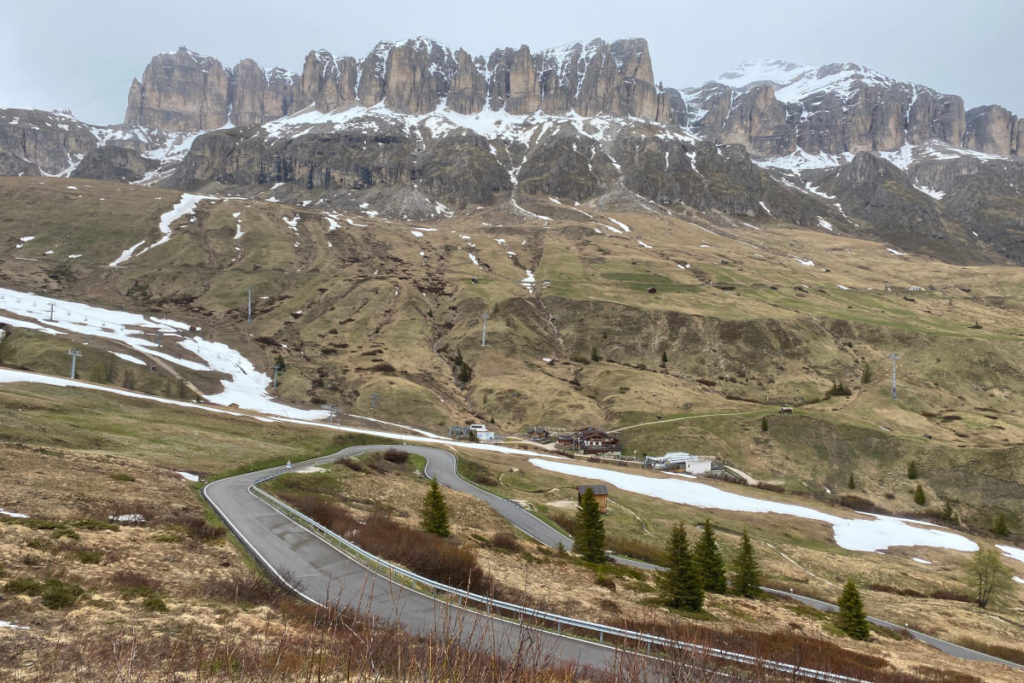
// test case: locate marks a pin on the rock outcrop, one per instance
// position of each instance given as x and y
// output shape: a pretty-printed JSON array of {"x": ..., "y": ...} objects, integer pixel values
[
  {"x": 179, "y": 91},
  {"x": 184, "y": 91},
  {"x": 993, "y": 130},
  {"x": 33, "y": 142},
  {"x": 843, "y": 109}
]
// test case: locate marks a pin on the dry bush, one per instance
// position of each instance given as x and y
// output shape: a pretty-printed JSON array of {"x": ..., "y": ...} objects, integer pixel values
[
  {"x": 946, "y": 594},
  {"x": 426, "y": 554},
  {"x": 396, "y": 456},
  {"x": 130, "y": 584},
  {"x": 352, "y": 464},
  {"x": 1010, "y": 654},
  {"x": 198, "y": 528},
  {"x": 250, "y": 589},
  {"x": 637, "y": 549},
  {"x": 503, "y": 540},
  {"x": 566, "y": 521}
]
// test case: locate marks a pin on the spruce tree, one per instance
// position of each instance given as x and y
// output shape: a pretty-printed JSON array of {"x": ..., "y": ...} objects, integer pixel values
[
  {"x": 746, "y": 578},
  {"x": 851, "y": 613},
  {"x": 919, "y": 495},
  {"x": 865, "y": 375},
  {"x": 852, "y": 483},
  {"x": 1000, "y": 527},
  {"x": 435, "y": 511},
  {"x": 708, "y": 559},
  {"x": 588, "y": 538},
  {"x": 681, "y": 583},
  {"x": 912, "y": 470},
  {"x": 764, "y": 423}
]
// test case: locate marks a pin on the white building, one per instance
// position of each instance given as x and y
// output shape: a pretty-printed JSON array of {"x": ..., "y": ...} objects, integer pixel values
[{"x": 691, "y": 464}]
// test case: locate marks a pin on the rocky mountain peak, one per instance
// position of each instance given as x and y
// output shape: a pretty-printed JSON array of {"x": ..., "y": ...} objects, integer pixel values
[{"x": 187, "y": 91}]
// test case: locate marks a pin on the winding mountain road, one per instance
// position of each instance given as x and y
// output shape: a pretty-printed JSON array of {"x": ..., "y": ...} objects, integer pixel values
[
  {"x": 318, "y": 572},
  {"x": 322, "y": 575}
]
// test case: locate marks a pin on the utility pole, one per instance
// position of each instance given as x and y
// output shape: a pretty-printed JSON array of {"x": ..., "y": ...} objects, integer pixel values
[
  {"x": 373, "y": 401},
  {"x": 51, "y": 312},
  {"x": 249, "y": 317},
  {"x": 483, "y": 340},
  {"x": 894, "y": 358},
  {"x": 75, "y": 355}
]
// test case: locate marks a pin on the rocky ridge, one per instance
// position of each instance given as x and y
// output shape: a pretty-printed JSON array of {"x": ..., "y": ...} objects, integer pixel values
[
  {"x": 183, "y": 90},
  {"x": 419, "y": 130}
]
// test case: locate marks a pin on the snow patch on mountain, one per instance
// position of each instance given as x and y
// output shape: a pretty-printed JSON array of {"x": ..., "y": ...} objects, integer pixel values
[{"x": 864, "y": 533}]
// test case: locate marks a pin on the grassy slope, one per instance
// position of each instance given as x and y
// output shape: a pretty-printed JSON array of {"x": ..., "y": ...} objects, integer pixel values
[{"x": 375, "y": 310}]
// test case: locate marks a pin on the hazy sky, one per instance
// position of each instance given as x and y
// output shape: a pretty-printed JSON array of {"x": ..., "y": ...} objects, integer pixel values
[{"x": 83, "y": 55}]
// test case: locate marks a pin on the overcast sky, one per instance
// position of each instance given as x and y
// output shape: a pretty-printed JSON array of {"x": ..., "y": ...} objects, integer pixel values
[{"x": 83, "y": 55}]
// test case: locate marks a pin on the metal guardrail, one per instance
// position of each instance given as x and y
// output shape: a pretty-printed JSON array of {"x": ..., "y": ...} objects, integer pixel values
[{"x": 379, "y": 565}]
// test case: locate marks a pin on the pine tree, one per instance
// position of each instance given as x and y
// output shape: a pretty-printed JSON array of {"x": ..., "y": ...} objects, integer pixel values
[
  {"x": 1000, "y": 527},
  {"x": 435, "y": 511},
  {"x": 851, "y": 613},
  {"x": 865, "y": 375},
  {"x": 588, "y": 538},
  {"x": 681, "y": 583},
  {"x": 746, "y": 578},
  {"x": 708, "y": 559},
  {"x": 919, "y": 495},
  {"x": 664, "y": 357},
  {"x": 912, "y": 470},
  {"x": 852, "y": 483}
]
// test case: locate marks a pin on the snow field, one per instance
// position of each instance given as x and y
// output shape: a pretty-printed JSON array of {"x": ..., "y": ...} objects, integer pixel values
[{"x": 873, "y": 532}]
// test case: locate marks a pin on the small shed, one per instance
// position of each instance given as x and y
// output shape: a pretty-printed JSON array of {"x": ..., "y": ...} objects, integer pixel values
[
  {"x": 600, "y": 493},
  {"x": 691, "y": 464}
]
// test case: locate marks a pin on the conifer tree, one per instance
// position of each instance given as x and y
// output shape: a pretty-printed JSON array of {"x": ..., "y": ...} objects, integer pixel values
[
  {"x": 708, "y": 559},
  {"x": 852, "y": 483},
  {"x": 912, "y": 470},
  {"x": 919, "y": 495},
  {"x": 588, "y": 538},
  {"x": 851, "y": 613},
  {"x": 681, "y": 583},
  {"x": 746, "y": 578},
  {"x": 1000, "y": 527},
  {"x": 435, "y": 511}
]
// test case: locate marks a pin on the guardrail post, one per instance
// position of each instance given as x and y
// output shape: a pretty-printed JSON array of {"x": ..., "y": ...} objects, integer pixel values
[
  {"x": 600, "y": 636},
  {"x": 558, "y": 624}
]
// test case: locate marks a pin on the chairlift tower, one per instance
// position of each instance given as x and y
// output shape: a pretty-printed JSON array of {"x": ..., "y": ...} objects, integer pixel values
[
  {"x": 75, "y": 355},
  {"x": 894, "y": 357}
]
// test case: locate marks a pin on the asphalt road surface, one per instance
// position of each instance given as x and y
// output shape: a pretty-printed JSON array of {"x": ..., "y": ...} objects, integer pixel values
[{"x": 321, "y": 574}]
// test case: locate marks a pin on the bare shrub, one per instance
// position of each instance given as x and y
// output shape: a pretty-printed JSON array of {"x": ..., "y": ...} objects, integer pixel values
[
  {"x": 396, "y": 456},
  {"x": 503, "y": 540}
]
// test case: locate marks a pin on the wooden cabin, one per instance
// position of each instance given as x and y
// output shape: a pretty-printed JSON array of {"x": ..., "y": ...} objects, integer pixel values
[{"x": 600, "y": 493}]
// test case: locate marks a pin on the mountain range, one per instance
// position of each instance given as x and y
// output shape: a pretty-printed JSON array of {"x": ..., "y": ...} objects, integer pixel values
[{"x": 415, "y": 130}]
